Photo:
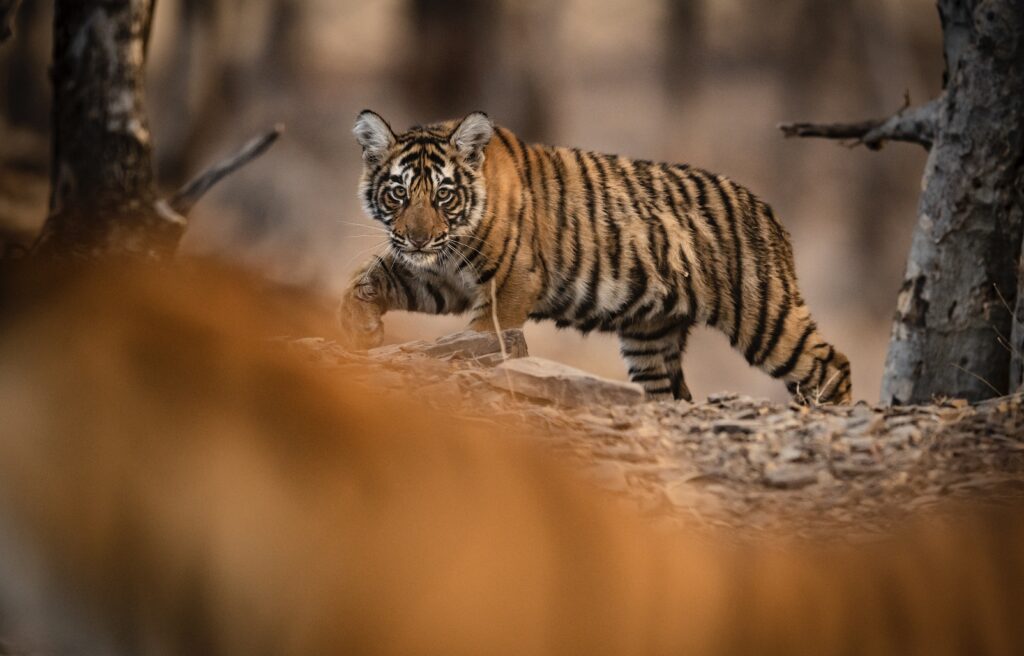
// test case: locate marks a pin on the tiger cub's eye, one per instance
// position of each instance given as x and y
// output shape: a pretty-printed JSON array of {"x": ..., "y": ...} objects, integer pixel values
[
  {"x": 443, "y": 194},
  {"x": 396, "y": 195}
]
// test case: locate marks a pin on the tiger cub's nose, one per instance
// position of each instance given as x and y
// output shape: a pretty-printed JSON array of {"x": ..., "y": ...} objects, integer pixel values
[{"x": 418, "y": 240}]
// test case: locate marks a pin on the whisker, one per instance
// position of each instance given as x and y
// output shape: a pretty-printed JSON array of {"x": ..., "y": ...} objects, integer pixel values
[
  {"x": 365, "y": 250},
  {"x": 475, "y": 250},
  {"x": 465, "y": 259},
  {"x": 377, "y": 261},
  {"x": 388, "y": 259},
  {"x": 456, "y": 234},
  {"x": 364, "y": 225}
]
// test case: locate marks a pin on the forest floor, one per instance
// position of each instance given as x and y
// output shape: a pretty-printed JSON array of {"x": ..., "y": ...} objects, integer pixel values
[{"x": 730, "y": 461}]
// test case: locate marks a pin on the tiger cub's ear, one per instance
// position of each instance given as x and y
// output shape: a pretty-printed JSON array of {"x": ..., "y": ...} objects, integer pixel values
[
  {"x": 375, "y": 136},
  {"x": 471, "y": 136}
]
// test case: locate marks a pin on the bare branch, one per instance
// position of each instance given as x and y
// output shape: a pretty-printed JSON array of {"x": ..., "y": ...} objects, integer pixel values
[
  {"x": 8, "y": 9},
  {"x": 913, "y": 125},
  {"x": 186, "y": 197}
]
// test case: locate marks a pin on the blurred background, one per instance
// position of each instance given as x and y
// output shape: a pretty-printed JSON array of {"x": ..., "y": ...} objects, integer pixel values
[{"x": 698, "y": 81}]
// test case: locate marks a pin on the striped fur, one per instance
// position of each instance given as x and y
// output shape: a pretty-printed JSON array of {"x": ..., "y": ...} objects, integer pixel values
[{"x": 588, "y": 240}]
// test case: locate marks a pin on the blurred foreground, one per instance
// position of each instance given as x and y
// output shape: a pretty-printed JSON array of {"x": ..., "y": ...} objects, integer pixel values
[{"x": 176, "y": 481}]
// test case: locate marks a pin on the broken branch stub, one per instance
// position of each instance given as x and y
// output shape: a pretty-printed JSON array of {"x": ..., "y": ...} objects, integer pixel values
[
  {"x": 912, "y": 125},
  {"x": 186, "y": 197}
]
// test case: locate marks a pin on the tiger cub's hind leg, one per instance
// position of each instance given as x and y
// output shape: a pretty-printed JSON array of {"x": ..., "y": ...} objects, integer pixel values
[
  {"x": 674, "y": 366},
  {"x": 654, "y": 358},
  {"x": 814, "y": 371}
]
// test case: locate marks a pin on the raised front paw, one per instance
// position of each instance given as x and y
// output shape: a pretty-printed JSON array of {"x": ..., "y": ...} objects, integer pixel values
[{"x": 360, "y": 318}]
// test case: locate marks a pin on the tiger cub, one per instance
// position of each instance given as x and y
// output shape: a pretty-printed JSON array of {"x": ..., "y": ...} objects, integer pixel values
[{"x": 476, "y": 217}]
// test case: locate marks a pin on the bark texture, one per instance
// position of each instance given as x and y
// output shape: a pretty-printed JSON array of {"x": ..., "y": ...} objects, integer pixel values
[
  {"x": 1016, "y": 345},
  {"x": 103, "y": 196},
  {"x": 949, "y": 316}
]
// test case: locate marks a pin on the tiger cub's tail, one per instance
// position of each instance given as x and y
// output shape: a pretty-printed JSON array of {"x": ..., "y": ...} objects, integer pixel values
[{"x": 814, "y": 371}]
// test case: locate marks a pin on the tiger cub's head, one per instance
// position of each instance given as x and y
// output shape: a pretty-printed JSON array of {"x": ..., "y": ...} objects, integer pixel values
[{"x": 426, "y": 184}]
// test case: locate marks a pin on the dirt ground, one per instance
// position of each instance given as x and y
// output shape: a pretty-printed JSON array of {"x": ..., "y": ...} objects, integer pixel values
[{"x": 732, "y": 461}]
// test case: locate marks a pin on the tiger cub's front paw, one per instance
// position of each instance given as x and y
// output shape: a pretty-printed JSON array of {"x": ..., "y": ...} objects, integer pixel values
[{"x": 360, "y": 317}]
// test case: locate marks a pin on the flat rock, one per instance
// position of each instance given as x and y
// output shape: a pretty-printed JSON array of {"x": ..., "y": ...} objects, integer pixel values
[
  {"x": 540, "y": 378},
  {"x": 470, "y": 344}
]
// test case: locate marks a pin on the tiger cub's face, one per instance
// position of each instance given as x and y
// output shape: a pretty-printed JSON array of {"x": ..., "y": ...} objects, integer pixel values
[{"x": 426, "y": 185}]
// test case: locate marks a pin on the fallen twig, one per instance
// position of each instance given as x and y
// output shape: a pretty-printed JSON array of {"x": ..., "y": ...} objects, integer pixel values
[
  {"x": 494, "y": 318},
  {"x": 501, "y": 338}
]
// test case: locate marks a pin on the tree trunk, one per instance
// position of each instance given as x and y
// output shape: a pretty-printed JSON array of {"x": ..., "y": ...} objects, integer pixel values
[
  {"x": 520, "y": 70},
  {"x": 949, "y": 315},
  {"x": 8, "y": 9},
  {"x": 103, "y": 196},
  {"x": 682, "y": 47},
  {"x": 466, "y": 55},
  {"x": 450, "y": 50},
  {"x": 1016, "y": 345},
  {"x": 24, "y": 91},
  {"x": 954, "y": 311}
]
